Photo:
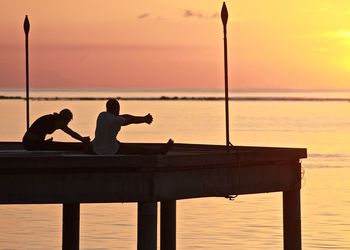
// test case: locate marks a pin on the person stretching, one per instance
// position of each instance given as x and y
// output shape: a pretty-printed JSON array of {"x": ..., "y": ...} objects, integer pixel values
[
  {"x": 108, "y": 125},
  {"x": 34, "y": 138}
]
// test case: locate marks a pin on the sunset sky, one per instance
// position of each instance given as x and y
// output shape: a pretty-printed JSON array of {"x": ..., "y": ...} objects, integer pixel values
[{"x": 273, "y": 44}]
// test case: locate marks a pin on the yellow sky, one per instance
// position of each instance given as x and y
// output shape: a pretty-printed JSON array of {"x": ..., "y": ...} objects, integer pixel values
[{"x": 302, "y": 44}]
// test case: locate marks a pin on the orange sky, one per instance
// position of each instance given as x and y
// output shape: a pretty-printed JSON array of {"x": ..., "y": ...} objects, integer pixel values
[{"x": 299, "y": 44}]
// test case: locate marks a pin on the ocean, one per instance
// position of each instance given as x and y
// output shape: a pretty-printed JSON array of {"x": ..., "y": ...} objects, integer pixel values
[{"x": 318, "y": 121}]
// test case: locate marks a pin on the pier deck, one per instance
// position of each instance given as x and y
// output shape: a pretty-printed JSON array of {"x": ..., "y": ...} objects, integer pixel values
[{"x": 188, "y": 171}]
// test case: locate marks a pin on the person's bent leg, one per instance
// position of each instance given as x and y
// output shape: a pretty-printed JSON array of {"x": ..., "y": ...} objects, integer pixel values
[
  {"x": 64, "y": 146},
  {"x": 53, "y": 145}
]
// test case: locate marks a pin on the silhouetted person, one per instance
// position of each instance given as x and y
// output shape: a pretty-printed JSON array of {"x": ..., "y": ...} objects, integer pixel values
[
  {"x": 107, "y": 127},
  {"x": 34, "y": 138}
]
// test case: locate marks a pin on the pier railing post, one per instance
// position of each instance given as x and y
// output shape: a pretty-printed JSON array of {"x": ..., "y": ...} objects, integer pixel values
[
  {"x": 147, "y": 226},
  {"x": 291, "y": 220},
  {"x": 71, "y": 224},
  {"x": 168, "y": 225}
]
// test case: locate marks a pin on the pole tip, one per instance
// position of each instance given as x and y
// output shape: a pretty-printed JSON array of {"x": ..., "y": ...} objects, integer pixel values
[
  {"x": 26, "y": 25},
  {"x": 224, "y": 14}
]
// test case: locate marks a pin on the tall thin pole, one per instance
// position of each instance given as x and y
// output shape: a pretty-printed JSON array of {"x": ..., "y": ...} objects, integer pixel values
[
  {"x": 26, "y": 27},
  {"x": 224, "y": 18}
]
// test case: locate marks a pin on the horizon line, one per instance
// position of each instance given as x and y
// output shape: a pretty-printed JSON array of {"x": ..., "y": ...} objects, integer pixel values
[
  {"x": 125, "y": 89},
  {"x": 177, "y": 98}
]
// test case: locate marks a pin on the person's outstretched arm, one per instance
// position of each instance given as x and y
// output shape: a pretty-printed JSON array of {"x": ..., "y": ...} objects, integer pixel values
[
  {"x": 130, "y": 119},
  {"x": 75, "y": 135}
]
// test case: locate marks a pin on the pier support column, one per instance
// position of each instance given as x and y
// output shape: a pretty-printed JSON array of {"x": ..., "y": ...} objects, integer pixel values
[
  {"x": 147, "y": 226},
  {"x": 71, "y": 224},
  {"x": 291, "y": 220},
  {"x": 168, "y": 225}
]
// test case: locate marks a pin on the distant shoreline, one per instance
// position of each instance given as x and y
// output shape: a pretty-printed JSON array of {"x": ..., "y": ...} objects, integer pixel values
[{"x": 176, "y": 98}]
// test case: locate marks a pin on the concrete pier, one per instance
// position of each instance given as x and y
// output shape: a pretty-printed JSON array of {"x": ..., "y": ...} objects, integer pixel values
[{"x": 188, "y": 171}]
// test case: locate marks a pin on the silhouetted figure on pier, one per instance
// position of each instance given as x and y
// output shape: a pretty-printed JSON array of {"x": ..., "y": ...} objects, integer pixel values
[
  {"x": 34, "y": 138},
  {"x": 108, "y": 125}
]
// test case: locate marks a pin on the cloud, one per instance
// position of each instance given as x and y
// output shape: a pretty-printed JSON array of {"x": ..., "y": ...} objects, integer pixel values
[
  {"x": 196, "y": 14},
  {"x": 143, "y": 15},
  {"x": 190, "y": 13}
]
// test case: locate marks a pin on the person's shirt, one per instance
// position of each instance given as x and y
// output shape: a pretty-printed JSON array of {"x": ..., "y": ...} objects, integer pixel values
[
  {"x": 107, "y": 128},
  {"x": 43, "y": 126}
]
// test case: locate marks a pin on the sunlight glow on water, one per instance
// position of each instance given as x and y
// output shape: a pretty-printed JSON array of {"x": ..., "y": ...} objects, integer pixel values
[{"x": 249, "y": 222}]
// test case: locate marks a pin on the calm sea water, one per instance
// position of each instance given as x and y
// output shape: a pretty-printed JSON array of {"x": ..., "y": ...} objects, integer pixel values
[{"x": 248, "y": 222}]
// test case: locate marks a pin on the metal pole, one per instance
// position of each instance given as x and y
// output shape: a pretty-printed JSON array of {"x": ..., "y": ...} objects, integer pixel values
[
  {"x": 26, "y": 27},
  {"x": 224, "y": 18}
]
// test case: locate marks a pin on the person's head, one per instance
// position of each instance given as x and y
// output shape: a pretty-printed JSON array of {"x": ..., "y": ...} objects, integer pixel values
[
  {"x": 112, "y": 106},
  {"x": 66, "y": 115}
]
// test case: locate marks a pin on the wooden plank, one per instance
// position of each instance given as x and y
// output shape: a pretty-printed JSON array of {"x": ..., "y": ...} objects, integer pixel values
[
  {"x": 97, "y": 187},
  {"x": 178, "y": 147},
  {"x": 132, "y": 163},
  {"x": 226, "y": 181}
]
